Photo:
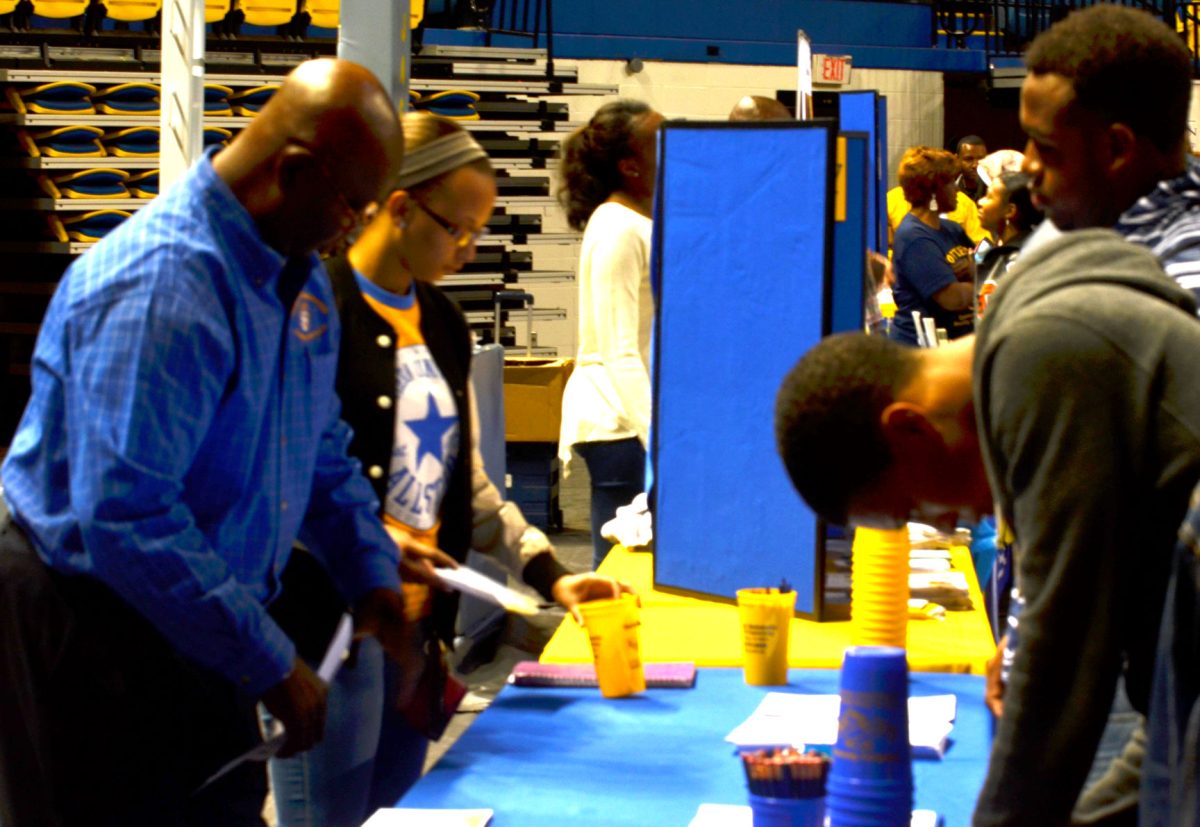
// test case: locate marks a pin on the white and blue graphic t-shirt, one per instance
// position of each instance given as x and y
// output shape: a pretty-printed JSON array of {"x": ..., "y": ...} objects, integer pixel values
[{"x": 426, "y": 441}]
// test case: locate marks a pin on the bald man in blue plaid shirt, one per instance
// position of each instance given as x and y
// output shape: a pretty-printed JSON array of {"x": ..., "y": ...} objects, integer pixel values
[{"x": 182, "y": 432}]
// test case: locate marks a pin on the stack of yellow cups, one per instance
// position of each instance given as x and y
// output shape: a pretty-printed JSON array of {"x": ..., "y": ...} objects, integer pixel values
[{"x": 879, "y": 587}]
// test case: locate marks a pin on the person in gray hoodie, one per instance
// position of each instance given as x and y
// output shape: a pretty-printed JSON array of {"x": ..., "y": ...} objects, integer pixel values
[{"x": 1076, "y": 410}]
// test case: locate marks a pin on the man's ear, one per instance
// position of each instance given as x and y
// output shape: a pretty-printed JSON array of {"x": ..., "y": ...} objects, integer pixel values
[
  {"x": 1122, "y": 146},
  {"x": 292, "y": 164},
  {"x": 908, "y": 430}
]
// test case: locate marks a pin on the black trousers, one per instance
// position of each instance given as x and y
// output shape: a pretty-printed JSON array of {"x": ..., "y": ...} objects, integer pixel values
[{"x": 102, "y": 722}]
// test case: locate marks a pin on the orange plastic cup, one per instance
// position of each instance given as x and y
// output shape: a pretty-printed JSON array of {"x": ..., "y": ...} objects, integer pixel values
[{"x": 612, "y": 627}]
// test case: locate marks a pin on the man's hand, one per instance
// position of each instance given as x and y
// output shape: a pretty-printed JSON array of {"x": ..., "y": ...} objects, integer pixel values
[
  {"x": 993, "y": 692},
  {"x": 572, "y": 589},
  {"x": 418, "y": 560},
  {"x": 298, "y": 702},
  {"x": 380, "y": 614}
]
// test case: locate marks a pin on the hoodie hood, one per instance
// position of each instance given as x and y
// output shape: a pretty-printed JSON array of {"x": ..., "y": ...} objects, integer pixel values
[{"x": 1081, "y": 258}]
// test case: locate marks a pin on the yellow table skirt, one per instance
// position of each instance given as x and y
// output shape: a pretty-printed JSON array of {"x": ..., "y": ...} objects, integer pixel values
[{"x": 678, "y": 628}]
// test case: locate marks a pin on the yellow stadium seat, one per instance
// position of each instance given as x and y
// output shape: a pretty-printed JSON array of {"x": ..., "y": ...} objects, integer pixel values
[
  {"x": 268, "y": 12},
  {"x": 416, "y": 13},
  {"x": 324, "y": 13},
  {"x": 215, "y": 10},
  {"x": 8, "y": 6},
  {"x": 1185, "y": 24},
  {"x": 60, "y": 8},
  {"x": 132, "y": 10}
]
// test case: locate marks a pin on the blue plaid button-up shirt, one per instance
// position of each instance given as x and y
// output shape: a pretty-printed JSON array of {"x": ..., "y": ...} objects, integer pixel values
[{"x": 183, "y": 430}]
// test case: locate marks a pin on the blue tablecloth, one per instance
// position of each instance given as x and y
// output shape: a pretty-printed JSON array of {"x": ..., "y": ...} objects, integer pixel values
[{"x": 570, "y": 757}]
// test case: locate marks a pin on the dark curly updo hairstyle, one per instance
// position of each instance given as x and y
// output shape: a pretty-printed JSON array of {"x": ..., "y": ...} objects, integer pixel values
[{"x": 591, "y": 155}]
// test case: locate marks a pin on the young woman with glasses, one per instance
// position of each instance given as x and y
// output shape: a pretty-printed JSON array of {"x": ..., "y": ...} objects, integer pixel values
[
  {"x": 608, "y": 171},
  {"x": 403, "y": 378}
]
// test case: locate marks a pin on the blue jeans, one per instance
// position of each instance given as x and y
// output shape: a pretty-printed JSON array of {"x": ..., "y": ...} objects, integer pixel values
[
  {"x": 618, "y": 472},
  {"x": 369, "y": 758}
]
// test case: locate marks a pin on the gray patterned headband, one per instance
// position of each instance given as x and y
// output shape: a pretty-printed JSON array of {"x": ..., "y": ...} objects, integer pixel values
[{"x": 437, "y": 157}]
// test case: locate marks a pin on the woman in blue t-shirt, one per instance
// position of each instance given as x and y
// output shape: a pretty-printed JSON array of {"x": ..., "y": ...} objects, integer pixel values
[{"x": 932, "y": 257}]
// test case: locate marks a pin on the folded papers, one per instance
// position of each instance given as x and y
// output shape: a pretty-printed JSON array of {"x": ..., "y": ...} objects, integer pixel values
[
  {"x": 786, "y": 719},
  {"x": 740, "y": 815}
]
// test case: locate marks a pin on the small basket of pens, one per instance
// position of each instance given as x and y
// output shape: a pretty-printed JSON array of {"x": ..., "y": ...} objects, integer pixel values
[{"x": 787, "y": 786}]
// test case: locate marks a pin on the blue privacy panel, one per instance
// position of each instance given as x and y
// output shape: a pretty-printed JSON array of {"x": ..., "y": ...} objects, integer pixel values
[
  {"x": 743, "y": 254},
  {"x": 881, "y": 172},
  {"x": 858, "y": 112},
  {"x": 850, "y": 240}
]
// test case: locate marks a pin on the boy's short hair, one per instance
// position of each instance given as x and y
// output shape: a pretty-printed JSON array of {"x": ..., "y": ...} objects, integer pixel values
[
  {"x": 828, "y": 417},
  {"x": 1125, "y": 65}
]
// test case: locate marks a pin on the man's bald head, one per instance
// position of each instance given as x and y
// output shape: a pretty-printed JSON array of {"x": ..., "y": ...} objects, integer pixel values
[
  {"x": 322, "y": 149},
  {"x": 759, "y": 108}
]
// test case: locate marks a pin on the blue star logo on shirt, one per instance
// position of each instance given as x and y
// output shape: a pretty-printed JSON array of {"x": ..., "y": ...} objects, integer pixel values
[{"x": 431, "y": 431}]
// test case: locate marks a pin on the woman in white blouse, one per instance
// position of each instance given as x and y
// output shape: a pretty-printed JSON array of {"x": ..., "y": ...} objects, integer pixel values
[{"x": 608, "y": 172}]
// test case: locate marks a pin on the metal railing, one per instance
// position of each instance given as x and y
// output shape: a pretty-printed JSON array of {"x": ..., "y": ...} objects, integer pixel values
[
  {"x": 1005, "y": 27},
  {"x": 522, "y": 18}
]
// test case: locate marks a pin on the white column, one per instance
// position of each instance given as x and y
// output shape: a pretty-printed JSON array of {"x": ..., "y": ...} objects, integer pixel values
[
  {"x": 182, "y": 118},
  {"x": 376, "y": 34}
]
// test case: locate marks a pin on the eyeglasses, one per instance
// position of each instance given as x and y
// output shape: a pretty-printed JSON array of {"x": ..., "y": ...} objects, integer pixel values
[
  {"x": 352, "y": 219},
  {"x": 461, "y": 236}
]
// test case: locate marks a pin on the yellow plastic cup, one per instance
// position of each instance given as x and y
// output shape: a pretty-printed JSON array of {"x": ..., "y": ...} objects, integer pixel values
[
  {"x": 879, "y": 587},
  {"x": 612, "y": 627},
  {"x": 766, "y": 616}
]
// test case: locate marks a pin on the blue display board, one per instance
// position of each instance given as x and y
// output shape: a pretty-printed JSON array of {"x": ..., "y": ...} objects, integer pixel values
[
  {"x": 881, "y": 171},
  {"x": 743, "y": 260},
  {"x": 860, "y": 112},
  {"x": 850, "y": 238}
]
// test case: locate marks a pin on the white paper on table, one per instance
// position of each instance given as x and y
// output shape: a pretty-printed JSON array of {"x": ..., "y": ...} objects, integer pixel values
[
  {"x": 410, "y": 817},
  {"x": 335, "y": 654},
  {"x": 739, "y": 815},
  {"x": 929, "y": 554},
  {"x": 469, "y": 581},
  {"x": 952, "y": 580},
  {"x": 928, "y": 564},
  {"x": 786, "y": 719}
]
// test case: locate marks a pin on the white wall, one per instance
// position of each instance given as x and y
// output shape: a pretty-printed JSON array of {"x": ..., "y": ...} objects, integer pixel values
[{"x": 710, "y": 90}]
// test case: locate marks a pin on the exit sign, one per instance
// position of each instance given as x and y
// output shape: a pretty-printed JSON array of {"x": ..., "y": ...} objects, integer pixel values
[{"x": 831, "y": 70}]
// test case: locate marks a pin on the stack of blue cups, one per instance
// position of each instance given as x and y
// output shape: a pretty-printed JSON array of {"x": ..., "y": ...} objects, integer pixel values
[{"x": 870, "y": 782}]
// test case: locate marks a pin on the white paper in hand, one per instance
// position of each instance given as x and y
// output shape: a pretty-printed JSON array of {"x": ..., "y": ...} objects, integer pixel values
[
  {"x": 335, "y": 653},
  {"x": 469, "y": 581}
]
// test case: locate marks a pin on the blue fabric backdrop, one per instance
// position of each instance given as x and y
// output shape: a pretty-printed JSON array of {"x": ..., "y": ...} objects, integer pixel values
[{"x": 743, "y": 260}]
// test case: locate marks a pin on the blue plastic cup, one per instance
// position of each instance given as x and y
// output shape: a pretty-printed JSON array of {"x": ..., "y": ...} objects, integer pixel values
[
  {"x": 870, "y": 782},
  {"x": 787, "y": 812}
]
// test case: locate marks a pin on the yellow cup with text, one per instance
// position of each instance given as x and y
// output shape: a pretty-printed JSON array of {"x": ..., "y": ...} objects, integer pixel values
[
  {"x": 613, "y": 628},
  {"x": 766, "y": 616}
]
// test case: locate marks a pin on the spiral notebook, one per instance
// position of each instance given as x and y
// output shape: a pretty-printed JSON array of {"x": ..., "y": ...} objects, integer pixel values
[{"x": 658, "y": 675}]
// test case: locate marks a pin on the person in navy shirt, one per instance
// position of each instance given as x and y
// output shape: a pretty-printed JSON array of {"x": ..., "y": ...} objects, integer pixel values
[{"x": 931, "y": 256}]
